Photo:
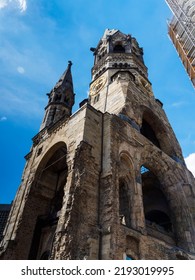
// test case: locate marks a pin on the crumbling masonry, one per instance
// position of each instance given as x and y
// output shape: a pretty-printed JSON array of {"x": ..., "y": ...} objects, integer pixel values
[{"x": 109, "y": 181}]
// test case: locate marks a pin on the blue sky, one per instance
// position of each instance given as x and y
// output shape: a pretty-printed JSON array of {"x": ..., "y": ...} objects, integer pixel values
[{"x": 38, "y": 37}]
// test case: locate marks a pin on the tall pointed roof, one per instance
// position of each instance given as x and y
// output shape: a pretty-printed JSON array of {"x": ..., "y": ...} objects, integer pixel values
[
  {"x": 66, "y": 79},
  {"x": 61, "y": 99}
]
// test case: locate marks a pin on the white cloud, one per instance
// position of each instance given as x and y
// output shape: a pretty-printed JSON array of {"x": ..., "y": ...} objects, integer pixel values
[
  {"x": 3, "y": 3},
  {"x": 2, "y": 119},
  {"x": 190, "y": 162},
  {"x": 20, "y": 4},
  {"x": 20, "y": 69}
]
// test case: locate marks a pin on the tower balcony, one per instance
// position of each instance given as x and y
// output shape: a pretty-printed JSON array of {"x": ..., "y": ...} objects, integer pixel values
[{"x": 118, "y": 60}]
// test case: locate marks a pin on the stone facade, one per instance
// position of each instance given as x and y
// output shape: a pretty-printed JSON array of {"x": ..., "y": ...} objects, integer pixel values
[{"x": 108, "y": 181}]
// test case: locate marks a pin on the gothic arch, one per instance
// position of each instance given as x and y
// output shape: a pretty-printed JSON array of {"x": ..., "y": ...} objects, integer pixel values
[
  {"x": 124, "y": 203},
  {"x": 170, "y": 181},
  {"x": 126, "y": 163},
  {"x": 49, "y": 184},
  {"x": 153, "y": 161},
  {"x": 47, "y": 155},
  {"x": 156, "y": 207},
  {"x": 125, "y": 189},
  {"x": 154, "y": 130},
  {"x": 118, "y": 48},
  {"x": 178, "y": 209}
]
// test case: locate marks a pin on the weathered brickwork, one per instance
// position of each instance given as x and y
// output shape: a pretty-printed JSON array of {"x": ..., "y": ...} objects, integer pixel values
[{"x": 109, "y": 181}]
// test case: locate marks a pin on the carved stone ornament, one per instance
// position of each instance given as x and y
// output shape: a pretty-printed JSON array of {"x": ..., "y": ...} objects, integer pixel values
[{"x": 98, "y": 85}]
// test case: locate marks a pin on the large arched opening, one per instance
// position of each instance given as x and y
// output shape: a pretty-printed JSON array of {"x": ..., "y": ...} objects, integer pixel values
[
  {"x": 154, "y": 129},
  {"x": 50, "y": 181},
  {"x": 156, "y": 207},
  {"x": 149, "y": 133}
]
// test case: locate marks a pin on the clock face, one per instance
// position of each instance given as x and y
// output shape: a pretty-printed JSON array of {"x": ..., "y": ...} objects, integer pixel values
[{"x": 97, "y": 85}]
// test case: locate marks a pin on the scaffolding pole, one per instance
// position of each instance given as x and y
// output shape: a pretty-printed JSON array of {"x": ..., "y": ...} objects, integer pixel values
[{"x": 181, "y": 30}]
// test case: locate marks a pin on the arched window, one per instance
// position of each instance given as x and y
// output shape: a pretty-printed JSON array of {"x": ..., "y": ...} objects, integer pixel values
[
  {"x": 124, "y": 204},
  {"x": 156, "y": 130},
  {"x": 118, "y": 49},
  {"x": 156, "y": 207},
  {"x": 50, "y": 183},
  {"x": 149, "y": 133}
]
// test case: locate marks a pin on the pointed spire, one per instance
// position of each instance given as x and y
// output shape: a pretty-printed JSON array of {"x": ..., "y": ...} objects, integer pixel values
[
  {"x": 61, "y": 99},
  {"x": 66, "y": 79},
  {"x": 63, "y": 92}
]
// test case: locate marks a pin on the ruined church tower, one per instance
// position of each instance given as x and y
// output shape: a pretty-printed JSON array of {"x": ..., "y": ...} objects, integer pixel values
[{"x": 109, "y": 181}]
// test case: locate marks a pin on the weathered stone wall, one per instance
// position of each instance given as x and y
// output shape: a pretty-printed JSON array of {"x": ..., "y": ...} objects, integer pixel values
[
  {"x": 128, "y": 144},
  {"x": 103, "y": 149},
  {"x": 82, "y": 136},
  {"x": 88, "y": 158}
]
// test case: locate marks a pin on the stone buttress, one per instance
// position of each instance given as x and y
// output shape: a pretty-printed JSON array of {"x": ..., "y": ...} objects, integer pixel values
[{"x": 109, "y": 181}]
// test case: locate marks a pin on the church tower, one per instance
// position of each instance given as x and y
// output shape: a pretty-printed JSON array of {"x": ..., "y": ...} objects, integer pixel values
[
  {"x": 61, "y": 99},
  {"x": 109, "y": 181}
]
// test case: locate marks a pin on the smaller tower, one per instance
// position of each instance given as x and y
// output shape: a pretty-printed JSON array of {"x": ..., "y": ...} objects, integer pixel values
[
  {"x": 61, "y": 99},
  {"x": 110, "y": 181}
]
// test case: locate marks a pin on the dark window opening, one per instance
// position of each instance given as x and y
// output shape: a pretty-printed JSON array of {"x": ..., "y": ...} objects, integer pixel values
[
  {"x": 159, "y": 218},
  {"x": 149, "y": 133},
  {"x": 96, "y": 99},
  {"x": 56, "y": 168},
  {"x": 118, "y": 49},
  {"x": 51, "y": 181},
  {"x": 57, "y": 97},
  {"x": 156, "y": 208},
  {"x": 39, "y": 151},
  {"x": 66, "y": 100},
  {"x": 124, "y": 207}
]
